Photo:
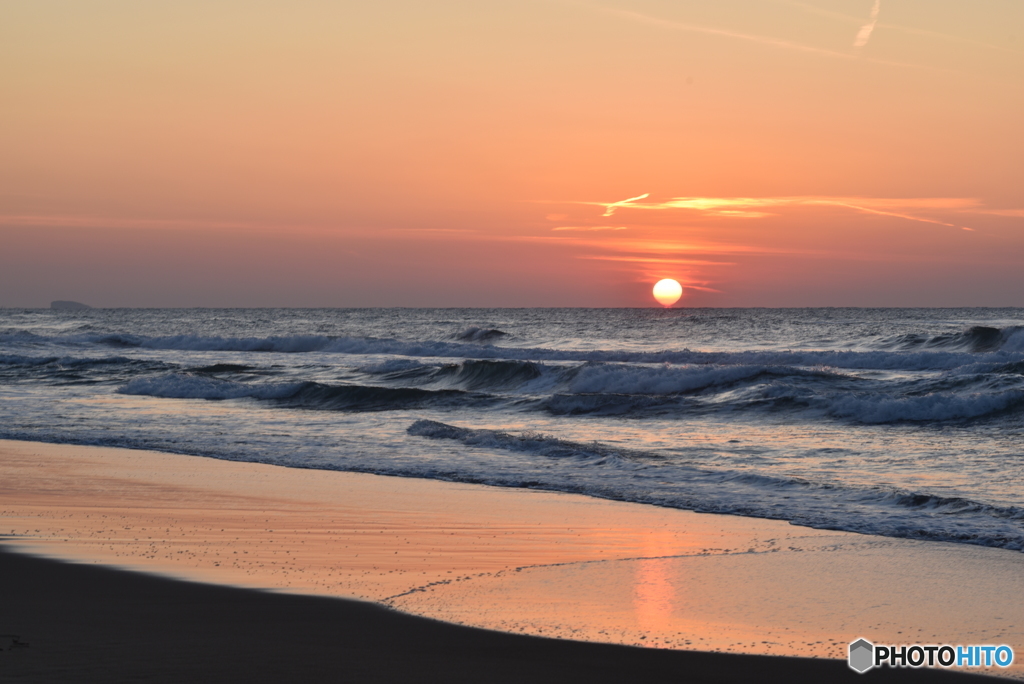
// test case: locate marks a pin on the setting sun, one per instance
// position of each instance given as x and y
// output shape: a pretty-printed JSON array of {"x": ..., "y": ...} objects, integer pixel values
[{"x": 667, "y": 291}]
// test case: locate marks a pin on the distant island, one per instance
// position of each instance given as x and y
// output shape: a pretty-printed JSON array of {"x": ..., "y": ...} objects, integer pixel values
[{"x": 68, "y": 306}]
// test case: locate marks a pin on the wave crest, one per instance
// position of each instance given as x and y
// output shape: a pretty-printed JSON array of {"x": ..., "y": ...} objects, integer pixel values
[
  {"x": 931, "y": 408},
  {"x": 623, "y": 379},
  {"x": 474, "y": 334},
  {"x": 527, "y": 442},
  {"x": 191, "y": 386},
  {"x": 299, "y": 395},
  {"x": 976, "y": 339}
]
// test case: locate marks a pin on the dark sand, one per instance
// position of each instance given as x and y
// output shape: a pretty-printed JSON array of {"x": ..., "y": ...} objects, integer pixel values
[{"x": 88, "y": 623}]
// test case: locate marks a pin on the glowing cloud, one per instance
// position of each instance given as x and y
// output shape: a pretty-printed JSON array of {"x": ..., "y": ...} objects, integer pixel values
[
  {"x": 864, "y": 35},
  {"x": 755, "y": 207}
]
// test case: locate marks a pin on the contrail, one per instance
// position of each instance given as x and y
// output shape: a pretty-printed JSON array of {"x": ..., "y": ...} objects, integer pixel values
[
  {"x": 865, "y": 31},
  {"x": 609, "y": 209},
  {"x": 763, "y": 40}
]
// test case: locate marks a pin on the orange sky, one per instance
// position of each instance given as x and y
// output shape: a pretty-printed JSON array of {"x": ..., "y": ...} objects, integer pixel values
[{"x": 445, "y": 153}]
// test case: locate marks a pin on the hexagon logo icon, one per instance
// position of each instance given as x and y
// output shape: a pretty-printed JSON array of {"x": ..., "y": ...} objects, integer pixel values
[{"x": 862, "y": 656}]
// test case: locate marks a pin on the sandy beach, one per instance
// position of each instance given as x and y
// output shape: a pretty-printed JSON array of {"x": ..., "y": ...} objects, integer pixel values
[{"x": 519, "y": 561}]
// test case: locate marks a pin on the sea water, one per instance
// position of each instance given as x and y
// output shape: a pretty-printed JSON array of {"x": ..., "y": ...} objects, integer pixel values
[{"x": 897, "y": 422}]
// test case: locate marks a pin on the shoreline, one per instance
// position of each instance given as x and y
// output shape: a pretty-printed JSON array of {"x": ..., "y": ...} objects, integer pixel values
[{"x": 522, "y": 561}]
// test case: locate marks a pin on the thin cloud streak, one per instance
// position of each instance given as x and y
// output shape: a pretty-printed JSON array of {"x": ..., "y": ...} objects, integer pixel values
[
  {"x": 864, "y": 35},
  {"x": 849, "y": 18},
  {"x": 895, "y": 214},
  {"x": 736, "y": 35},
  {"x": 811, "y": 9},
  {"x": 690, "y": 286},
  {"x": 656, "y": 260},
  {"x": 693, "y": 28},
  {"x": 1013, "y": 213},
  {"x": 590, "y": 228},
  {"x": 752, "y": 207},
  {"x": 100, "y": 222},
  {"x": 423, "y": 230},
  {"x": 947, "y": 37},
  {"x": 68, "y": 221},
  {"x": 652, "y": 246},
  {"x": 648, "y": 273}
]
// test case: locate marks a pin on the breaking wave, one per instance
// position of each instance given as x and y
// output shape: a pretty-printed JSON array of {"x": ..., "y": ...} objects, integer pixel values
[
  {"x": 192, "y": 386},
  {"x": 978, "y": 338},
  {"x": 614, "y": 390},
  {"x": 474, "y": 334},
  {"x": 529, "y": 442},
  {"x": 930, "y": 408},
  {"x": 304, "y": 395},
  {"x": 488, "y": 375},
  {"x": 659, "y": 380}
]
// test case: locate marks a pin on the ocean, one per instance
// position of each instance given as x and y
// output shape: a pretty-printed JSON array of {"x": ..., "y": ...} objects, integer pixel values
[{"x": 896, "y": 422}]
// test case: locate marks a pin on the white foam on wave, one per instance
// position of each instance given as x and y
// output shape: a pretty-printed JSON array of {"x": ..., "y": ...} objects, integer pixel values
[{"x": 1013, "y": 340}]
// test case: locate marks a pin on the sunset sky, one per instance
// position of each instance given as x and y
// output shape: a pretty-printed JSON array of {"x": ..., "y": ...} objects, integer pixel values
[{"x": 512, "y": 153}]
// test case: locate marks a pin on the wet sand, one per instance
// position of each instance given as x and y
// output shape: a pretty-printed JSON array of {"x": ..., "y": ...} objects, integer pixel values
[
  {"x": 519, "y": 561},
  {"x": 75, "y": 623}
]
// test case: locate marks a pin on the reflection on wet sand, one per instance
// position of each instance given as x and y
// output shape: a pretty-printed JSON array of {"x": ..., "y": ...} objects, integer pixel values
[{"x": 655, "y": 595}]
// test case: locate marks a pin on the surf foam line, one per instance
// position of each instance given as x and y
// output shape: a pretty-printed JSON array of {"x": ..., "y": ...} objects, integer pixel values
[
  {"x": 644, "y": 477},
  {"x": 661, "y": 479},
  {"x": 653, "y": 479}
]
